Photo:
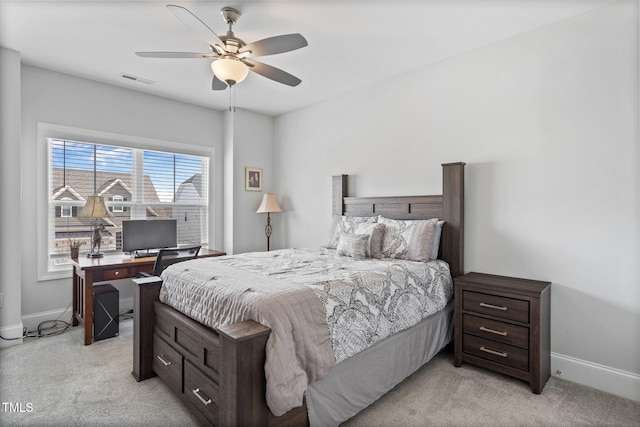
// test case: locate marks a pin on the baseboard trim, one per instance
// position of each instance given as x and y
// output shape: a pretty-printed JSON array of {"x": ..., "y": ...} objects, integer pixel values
[
  {"x": 13, "y": 333},
  {"x": 605, "y": 378},
  {"x": 32, "y": 321}
]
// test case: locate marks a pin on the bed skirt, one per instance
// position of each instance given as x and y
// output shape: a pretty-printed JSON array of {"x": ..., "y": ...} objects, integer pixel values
[{"x": 358, "y": 381}]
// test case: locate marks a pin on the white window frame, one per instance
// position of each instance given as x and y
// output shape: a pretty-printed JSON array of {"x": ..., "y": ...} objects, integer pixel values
[
  {"x": 48, "y": 131},
  {"x": 117, "y": 208},
  {"x": 66, "y": 211}
]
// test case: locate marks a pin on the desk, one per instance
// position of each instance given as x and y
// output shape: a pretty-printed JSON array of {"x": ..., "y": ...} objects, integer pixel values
[{"x": 86, "y": 271}]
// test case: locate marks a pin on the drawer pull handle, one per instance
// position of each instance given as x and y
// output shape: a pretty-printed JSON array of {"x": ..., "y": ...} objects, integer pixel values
[
  {"x": 164, "y": 362},
  {"x": 495, "y": 307},
  {"x": 116, "y": 273},
  {"x": 493, "y": 331},
  {"x": 497, "y": 353},
  {"x": 197, "y": 393}
]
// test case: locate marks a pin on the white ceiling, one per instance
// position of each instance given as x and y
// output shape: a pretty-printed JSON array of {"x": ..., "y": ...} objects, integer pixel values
[{"x": 351, "y": 43}]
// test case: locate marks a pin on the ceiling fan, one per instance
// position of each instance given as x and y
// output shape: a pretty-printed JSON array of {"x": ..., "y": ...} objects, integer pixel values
[{"x": 232, "y": 57}]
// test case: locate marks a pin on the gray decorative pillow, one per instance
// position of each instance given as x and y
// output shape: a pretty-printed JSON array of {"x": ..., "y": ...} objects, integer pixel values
[
  {"x": 436, "y": 240},
  {"x": 345, "y": 224},
  {"x": 375, "y": 231},
  {"x": 408, "y": 239},
  {"x": 353, "y": 245}
]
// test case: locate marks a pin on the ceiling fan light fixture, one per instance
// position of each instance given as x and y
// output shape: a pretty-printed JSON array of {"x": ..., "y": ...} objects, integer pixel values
[{"x": 229, "y": 70}]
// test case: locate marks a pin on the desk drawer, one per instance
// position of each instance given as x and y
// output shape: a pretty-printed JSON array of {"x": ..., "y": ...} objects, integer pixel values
[
  {"x": 115, "y": 273},
  {"x": 496, "y": 351},
  {"x": 497, "y": 306},
  {"x": 201, "y": 391},
  {"x": 497, "y": 331}
]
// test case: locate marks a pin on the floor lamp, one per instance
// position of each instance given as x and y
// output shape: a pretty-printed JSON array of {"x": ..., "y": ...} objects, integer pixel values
[{"x": 268, "y": 206}]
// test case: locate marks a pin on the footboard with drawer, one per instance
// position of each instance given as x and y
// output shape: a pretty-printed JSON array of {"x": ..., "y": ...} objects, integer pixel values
[{"x": 218, "y": 374}]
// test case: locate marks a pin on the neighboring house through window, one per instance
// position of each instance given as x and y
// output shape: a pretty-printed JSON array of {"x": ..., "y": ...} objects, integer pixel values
[{"x": 135, "y": 183}]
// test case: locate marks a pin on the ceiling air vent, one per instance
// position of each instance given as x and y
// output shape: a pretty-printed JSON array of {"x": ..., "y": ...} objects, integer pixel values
[{"x": 136, "y": 79}]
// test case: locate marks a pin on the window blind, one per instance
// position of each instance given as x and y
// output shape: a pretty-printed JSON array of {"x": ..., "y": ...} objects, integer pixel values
[{"x": 135, "y": 183}]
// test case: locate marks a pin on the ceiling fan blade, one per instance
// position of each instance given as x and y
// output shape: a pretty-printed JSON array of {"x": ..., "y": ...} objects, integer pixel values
[
  {"x": 273, "y": 73},
  {"x": 196, "y": 25},
  {"x": 218, "y": 84},
  {"x": 176, "y": 55},
  {"x": 273, "y": 45}
]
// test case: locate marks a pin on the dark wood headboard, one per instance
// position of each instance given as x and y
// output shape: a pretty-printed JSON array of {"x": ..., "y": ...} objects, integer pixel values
[{"x": 448, "y": 206}]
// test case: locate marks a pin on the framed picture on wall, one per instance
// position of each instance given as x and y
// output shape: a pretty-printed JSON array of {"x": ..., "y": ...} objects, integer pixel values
[{"x": 253, "y": 179}]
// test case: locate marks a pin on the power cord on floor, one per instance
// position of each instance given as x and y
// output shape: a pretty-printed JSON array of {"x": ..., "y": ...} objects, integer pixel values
[
  {"x": 56, "y": 327},
  {"x": 45, "y": 329},
  {"x": 24, "y": 331},
  {"x": 50, "y": 327},
  {"x": 125, "y": 315}
]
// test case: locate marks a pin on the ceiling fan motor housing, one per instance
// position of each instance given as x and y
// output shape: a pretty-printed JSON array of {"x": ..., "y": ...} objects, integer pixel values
[{"x": 230, "y": 15}]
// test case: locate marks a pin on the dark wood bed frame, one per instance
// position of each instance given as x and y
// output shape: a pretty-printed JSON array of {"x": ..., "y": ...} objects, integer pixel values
[{"x": 226, "y": 365}]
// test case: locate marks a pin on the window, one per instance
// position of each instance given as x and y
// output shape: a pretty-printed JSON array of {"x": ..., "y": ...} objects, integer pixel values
[
  {"x": 135, "y": 183},
  {"x": 117, "y": 208},
  {"x": 66, "y": 211}
]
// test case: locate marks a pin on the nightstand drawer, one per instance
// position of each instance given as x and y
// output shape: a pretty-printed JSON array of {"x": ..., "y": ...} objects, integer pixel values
[
  {"x": 498, "y": 352},
  {"x": 497, "y": 306},
  {"x": 497, "y": 331}
]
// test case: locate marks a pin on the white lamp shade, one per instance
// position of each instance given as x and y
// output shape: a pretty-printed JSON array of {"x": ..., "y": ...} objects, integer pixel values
[
  {"x": 230, "y": 71},
  {"x": 269, "y": 204},
  {"x": 95, "y": 208}
]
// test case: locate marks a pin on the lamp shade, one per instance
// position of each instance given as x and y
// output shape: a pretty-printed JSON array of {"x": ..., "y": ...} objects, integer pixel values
[
  {"x": 95, "y": 208},
  {"x": 229, "y": 70},
  {"x": 269, "y": 204}
]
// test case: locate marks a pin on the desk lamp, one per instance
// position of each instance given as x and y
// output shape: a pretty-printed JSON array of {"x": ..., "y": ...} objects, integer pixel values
[{"x": 96, "y": 209}]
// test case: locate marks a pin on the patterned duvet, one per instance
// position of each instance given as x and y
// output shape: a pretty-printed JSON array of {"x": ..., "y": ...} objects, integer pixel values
[{"x": 362, "y": 302}]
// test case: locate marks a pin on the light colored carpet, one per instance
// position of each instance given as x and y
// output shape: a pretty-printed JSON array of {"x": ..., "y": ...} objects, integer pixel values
[{"x": 68, "y": 384}]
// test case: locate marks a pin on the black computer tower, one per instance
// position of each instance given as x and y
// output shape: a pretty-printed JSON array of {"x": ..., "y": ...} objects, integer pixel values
[{"x": 106, "y": 306}]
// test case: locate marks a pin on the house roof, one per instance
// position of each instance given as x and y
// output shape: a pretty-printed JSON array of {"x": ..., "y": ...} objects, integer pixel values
[{"x": 77, "y": 184}]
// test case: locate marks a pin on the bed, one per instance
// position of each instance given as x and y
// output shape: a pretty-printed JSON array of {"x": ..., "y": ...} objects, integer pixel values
[{"x": 221, "y": 373}]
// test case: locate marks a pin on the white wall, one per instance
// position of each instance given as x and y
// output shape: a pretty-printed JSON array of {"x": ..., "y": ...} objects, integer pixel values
[
  {"x": 252, "y": 147},
  {"x": 64, "y": 100},
  {"x": 547, "y": 123}
]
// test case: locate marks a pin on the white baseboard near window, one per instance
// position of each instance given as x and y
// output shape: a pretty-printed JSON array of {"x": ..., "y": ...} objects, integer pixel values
[
  {"x": 611, "y": 380},
  {"x": 11, "y": 332},
  {"x": 32, "y": 321}
]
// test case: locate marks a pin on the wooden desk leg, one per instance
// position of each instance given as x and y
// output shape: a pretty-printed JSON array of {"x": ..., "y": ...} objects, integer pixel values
[{"x": 88, "y": 308}]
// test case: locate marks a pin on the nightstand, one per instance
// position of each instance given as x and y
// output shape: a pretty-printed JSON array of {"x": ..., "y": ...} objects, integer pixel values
[{"x": 503, "y": 324}]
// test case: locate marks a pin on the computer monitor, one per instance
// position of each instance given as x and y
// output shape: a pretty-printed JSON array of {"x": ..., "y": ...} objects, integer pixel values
[{"x": 149, "y": 235}]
